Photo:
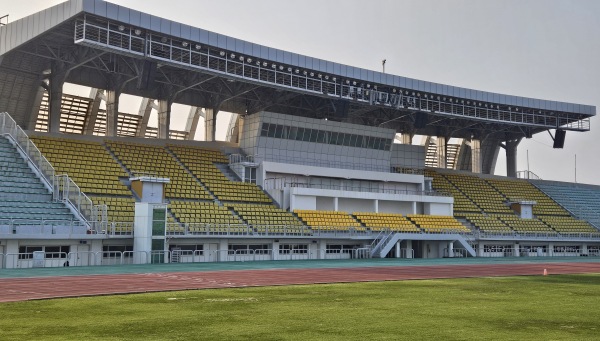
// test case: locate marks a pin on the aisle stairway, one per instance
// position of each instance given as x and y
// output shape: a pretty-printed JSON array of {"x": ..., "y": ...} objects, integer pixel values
[{"x": 24, "y": 200}]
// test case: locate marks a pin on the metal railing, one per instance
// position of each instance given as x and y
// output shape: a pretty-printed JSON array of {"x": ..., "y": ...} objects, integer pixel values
[
  {"x": 362, "y": 189},
  {"x": 118, "y": 258},
  {"x": 536, "y": 235},
  {"x": 67, "y": 191},
  {"x": 9, "y": 128},
  {"x": 26, "y": 260},
  {"x": 380, "y": 241},
  {"x": 62, "y": 187},
  {"x": 42, "y": 226},
  {"x": 111, "y": 35},
  {"x": 527, "y": 175},
  {"x": 118, "y": 228},
  {"x": 456, "y": 253},
  {"x": 239, "y": 158},
  {"x": 206, "y": 229}
]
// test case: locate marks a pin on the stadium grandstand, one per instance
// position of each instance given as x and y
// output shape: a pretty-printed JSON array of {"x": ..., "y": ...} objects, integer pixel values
[{"x": 319, "y": 161}]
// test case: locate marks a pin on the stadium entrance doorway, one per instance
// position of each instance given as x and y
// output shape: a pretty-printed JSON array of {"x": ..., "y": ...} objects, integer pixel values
[
  {"x": 417, "y": 246},
  {"x": 81, "y": 255}
]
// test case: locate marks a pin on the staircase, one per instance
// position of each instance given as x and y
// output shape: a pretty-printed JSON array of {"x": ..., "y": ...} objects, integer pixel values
[
  {"x": 29, "y": 179},
  {"x": 229, "y": 173},
  {"x": 386, "y": 240},
  {"x": 380, "y": 243},
  {"x": 24, "y": 200}
]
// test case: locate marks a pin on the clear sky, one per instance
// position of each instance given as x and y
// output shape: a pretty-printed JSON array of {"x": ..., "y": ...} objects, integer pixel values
[{"x": 534, "y": 48}]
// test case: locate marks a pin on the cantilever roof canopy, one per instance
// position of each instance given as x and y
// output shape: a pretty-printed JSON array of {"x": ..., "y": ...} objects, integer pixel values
[{"x": 102, "y": 45}]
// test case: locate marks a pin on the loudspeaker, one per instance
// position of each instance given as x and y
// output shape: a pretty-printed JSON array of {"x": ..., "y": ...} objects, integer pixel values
[
  {"x": 421, "y": 120},
  {"x": 559, "y": 138},
  {"x": 147, "y": 76}
]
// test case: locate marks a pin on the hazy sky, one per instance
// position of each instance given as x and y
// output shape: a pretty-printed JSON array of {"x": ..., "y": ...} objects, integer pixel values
[{"x": 534, "y": 48}]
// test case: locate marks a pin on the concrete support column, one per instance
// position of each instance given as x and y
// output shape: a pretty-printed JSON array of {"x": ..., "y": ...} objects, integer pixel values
[
  {"x": 145, "y": 109},
  {"x": 584, "y": 249},
  {"x": 336, "y": 204},
  {"x": 210, "y": 126},
  {"x": 192, "y": 122},
  {"x": 275, "y": 250},
  {"x": 516, "y": 250},
  {"x": 240, "y": 127},
  {"x": 409, "y": 247},
  {"x": 57, "y": 80},
  {"x": 451, "y": 249},
  {"x": 511, "y": 158},
  {"x": 476, "y": 162},
  {"x": 222, "y": 252},
  {"x": 376, "y": 206},
  {"x": 90, "y": 123},
  {"x": 11, "y": 248},
  {"x": 441, "y": 152},
  {"x": 480, "y": 249},
  {"x": 405, "y": 138},
  {"x": 322, "y": 249},
  {"x": 112, "y": 112},
  {"x": 164, "y": 118},
  {"x": 397, "y": 255},
  {"x": 550, "y": 250},
  {"x": 35, "y": 107}
]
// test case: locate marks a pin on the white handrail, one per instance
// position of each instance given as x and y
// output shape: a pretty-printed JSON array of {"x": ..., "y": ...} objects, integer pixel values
[
  {"x": 9, "y": 128},
  {"x": 62, "y": 187}
]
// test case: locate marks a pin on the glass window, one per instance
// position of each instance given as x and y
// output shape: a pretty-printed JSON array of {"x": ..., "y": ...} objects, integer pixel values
[
  {"x": 292, "y": 133},
  {"x": 56, "y": 251},
  {"x": 307, "y": 133},
  {"x": 353, "y": 140},
  {"x": 116, "y": 250},
  {"x": 278, "y": 131},
  {"x": 299, "y": 134},
  {"x": 272, "y": 130},
  {"x": 366, "y": 140},
  {"x": 333, "y": 136},
  {"x": 372, "y": 141},
  {"x": 250, "y": 175},
  {"x": 321, "y": 134},
  {"x": 26, "y": 252},
  {"x": 388, "y": 145},
  {"x": 346, "y": 140},
  {"x": 313, "y": 135},
  {"x": 286, "y": 131},
  {"x": 359, "y": 141},
  {"x": 265, "y": 129}
]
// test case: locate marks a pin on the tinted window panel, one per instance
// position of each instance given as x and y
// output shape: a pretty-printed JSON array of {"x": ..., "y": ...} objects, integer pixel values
[
  {"x": 272, "y": 130},
  {"x": 265, "y": 129},
  {"x": 293, "y": 132},
  {"x": 313, "y": 135},
  {"x": 278, "y": 131}
]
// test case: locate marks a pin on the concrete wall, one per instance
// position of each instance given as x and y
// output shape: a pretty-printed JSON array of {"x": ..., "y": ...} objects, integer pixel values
[{"x": 402, "y": 207}]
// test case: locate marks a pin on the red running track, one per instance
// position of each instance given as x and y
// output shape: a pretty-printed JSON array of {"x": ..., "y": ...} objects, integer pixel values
[{"x": 20, "y": 289}]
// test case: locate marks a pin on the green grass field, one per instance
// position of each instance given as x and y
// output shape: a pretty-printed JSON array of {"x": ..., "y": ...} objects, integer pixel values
[{"x": 510, "y": 308}]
